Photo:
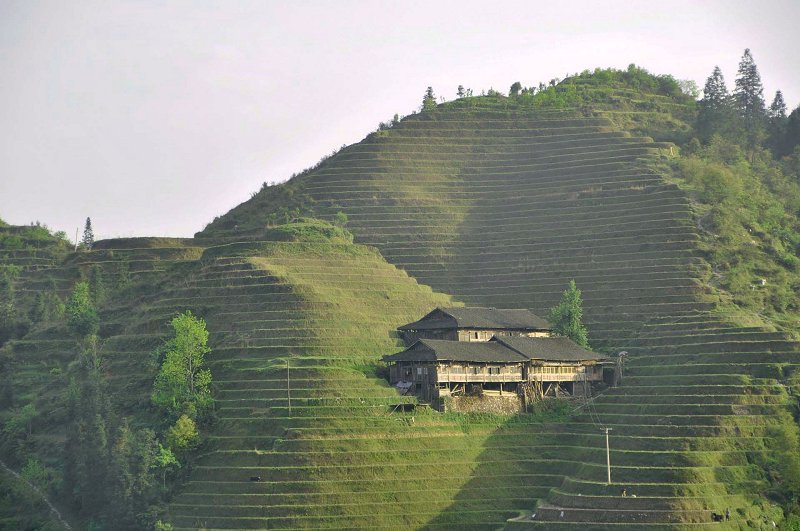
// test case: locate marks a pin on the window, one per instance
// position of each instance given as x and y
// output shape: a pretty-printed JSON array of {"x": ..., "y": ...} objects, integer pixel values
[
  {"x": 476, "y": 335},
  {"x": 476, "y": 370},
  {"x": 419, "y": 371},
  {"x": 494, "y": 370}
]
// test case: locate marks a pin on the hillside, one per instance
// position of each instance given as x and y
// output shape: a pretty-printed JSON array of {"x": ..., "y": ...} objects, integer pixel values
[
  {"x": 500, "y": 201},
  {"x": 492, "y": 201}
]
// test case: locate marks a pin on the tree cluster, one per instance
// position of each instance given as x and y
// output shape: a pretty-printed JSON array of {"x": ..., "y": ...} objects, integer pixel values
[{"x": 743, "y": 116}]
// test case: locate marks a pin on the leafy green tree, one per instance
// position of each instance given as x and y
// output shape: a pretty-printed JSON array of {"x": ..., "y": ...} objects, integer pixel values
[
  {"x": 88, "y": 235},
  {"x": 429, "y": 100},
  {"x": 749, "y": 93},
  {"x": 38, "y": 311},
  {"x": 460, "y": 92},
  {"x": 87, "y": 448},
  {"x": 82, "y": 318},
  {"x": 166, "y": 462},
  {"x": 133, "y": 486},
  {"x": 565, "y": 317},
  {"x": 516, "y": 87},
  {"x": 182, "y": 384},
  {"x": 340, "y": 219},
  {"x": 97, "y": 284},
  {"x": 183, "y": 435},
  {"x": 18, "y": 429},
  {"x": 37, "y": 474}
]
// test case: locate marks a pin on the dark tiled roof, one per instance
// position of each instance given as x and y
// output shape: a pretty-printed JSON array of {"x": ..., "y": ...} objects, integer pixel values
[
  {"x": 441, "y": 350},
  {"x": 484, "y": 318},
  {"x": 548, "y": 348}
]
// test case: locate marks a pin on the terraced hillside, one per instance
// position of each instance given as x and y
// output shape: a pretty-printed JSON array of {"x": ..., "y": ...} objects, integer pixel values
[
  {"x": 501, "y": 203},
  {"x": 502, "y": 206},
  {"x": 498, "y": 202},
  {"x": 347, "y": 454}
]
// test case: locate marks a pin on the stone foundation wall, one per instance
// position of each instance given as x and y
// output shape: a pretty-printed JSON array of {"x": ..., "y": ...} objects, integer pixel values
[{"x": 499, "y": 405}]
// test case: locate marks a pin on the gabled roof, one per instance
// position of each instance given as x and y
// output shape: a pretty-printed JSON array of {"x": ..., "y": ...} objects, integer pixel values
[
  {"x": 497, "y": 350},
  {"x": 441, "y": 350},
  {"x": 548, "y": 348},
  {"x": 484, "y": 318}
]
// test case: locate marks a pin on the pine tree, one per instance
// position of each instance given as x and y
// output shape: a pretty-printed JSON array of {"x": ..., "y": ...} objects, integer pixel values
[
  {"x": 777, "y": 110},
  {"x": 88, "y": 235},
  {"x": 565, "y": 317},
  {"x": 715, "y": 111},
  {"x": 429, "y": 100},
  {"x": 791, "y": 137},
  {"x": 778, "y": 122},
  {"x": 749, "y": 93}
]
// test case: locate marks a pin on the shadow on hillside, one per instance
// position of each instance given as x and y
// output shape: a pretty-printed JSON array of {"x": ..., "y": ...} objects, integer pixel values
[{"x": 521, "y": 461}]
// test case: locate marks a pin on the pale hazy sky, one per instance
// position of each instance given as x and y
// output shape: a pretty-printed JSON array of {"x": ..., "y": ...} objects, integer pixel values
[{"x": 153, "y": 117}]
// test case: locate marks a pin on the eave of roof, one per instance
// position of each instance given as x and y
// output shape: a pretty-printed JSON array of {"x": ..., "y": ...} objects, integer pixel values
[
  {"x": 548, "y": 348},
  {"x": 480, "y": 318}
]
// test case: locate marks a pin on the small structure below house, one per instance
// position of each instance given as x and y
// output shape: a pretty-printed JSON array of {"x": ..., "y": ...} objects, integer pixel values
[
  {"x": 474, "y": 324},
  {"x": 507, "y": 371}
]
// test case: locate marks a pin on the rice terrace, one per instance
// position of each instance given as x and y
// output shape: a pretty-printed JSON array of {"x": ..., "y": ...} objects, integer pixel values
[{"x": 558, "y": 307}]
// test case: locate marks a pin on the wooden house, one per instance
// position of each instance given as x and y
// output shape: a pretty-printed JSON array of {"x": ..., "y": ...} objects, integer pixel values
[
  {"x": 519, "y": 368},
  {"x": 474, "y": 324}
]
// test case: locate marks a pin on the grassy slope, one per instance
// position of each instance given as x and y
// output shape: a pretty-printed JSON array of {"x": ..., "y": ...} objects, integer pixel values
[
  {"x": 341, "y": 459},
  {"x": 544, "y": 195},
  {"x": 498, "y": 202}
]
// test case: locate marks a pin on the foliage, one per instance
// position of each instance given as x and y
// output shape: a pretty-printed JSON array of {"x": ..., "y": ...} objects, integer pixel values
[
  {"x": 312, "y": 230},
  {"x": 18, "y": 430},
  {"x": 715, "y": 110},
  {"x": 37, "y": 474},
  {"x": 751, "y": 213},
  {"x": 183, "y": 435},
  {"x": 182, "y": 384},
  {"x": 134, "y": 458},
  {"x": 9, "y": 324},
  {"x": 565, "y": 317},
  {"x": 340, "y": 219},
  {"x": 166, "y": 462},
  {"x": 97, "y": 284},
  {"x": 749, "y": 93},
  {"x": 82, "y": 318},
  {"x": 429, "y": 100},
  {"x": 47, "y": 305},
  {"x": 88, "y": 235}
]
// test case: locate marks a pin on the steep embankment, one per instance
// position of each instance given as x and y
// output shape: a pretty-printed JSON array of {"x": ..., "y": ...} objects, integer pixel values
[{"x": 501, "y": 202}]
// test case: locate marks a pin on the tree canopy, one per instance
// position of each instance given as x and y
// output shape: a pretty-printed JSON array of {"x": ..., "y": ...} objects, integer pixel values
[
  {"x": 88, "y": 234},
  {"x": 565, "y": 317},
  {"x": 82, "y": 318},
  {"x": 182, "y": 384}
]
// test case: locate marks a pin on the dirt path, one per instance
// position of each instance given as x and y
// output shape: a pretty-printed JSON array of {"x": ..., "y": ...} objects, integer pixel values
[{"x": 41, "y": 494}]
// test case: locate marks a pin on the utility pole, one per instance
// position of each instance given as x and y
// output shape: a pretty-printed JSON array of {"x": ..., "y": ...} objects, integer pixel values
[
  {"x": 608, "y": 456},
  {"x": 76, "y": 239},
  {"x": 288, "y": 388}
]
